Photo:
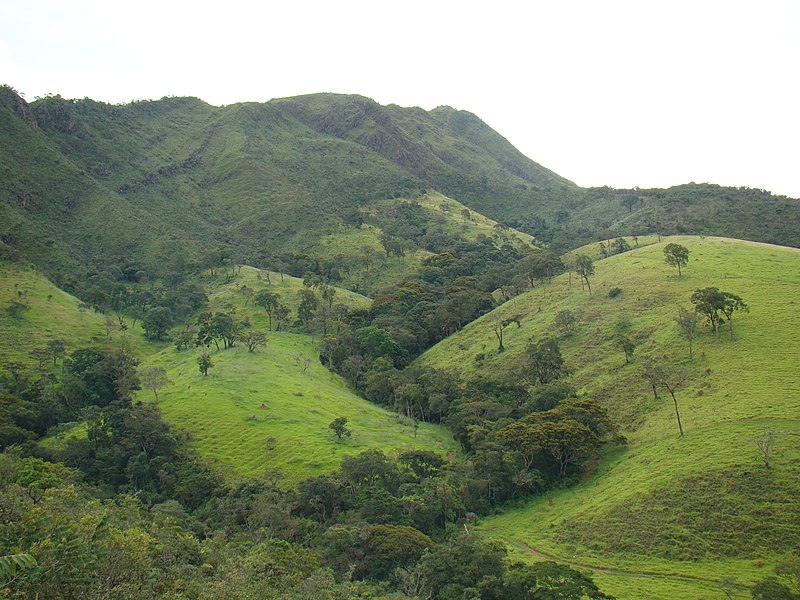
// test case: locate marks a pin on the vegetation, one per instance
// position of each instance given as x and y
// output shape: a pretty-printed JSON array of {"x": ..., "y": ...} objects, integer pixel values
[
  {"x": 721, "y": 423},
  {"x": 174, "y": 432}
]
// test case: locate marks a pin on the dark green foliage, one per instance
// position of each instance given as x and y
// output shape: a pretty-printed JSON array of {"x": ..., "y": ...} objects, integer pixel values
[
  {"x": 549, "y": 580},
  {"x": 614, "y": 292},
  {"x": 676, "y": 255},
  {"x": 543, "y": 362},
  {"x": 716, "y": 306},
  {"x": 394, "y": 546},
  {"x": 204, "y": 363},
  {"x": 157, "y": 321},
  {"x": 772, "y": 589},
  {"x": 584, "y": 267},
  {"x": 624, "y": 343},
  {"x": 339, "y": 427}
]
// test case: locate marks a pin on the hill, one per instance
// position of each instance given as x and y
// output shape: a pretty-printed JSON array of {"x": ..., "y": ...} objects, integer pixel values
[
  {"x": 151, "y": 185},
  {"x": 254, "y": 412},
  {"x": 270, "y": 409},
  {"x": 177, "y": 184},
  {"x": 667, "y": 516}
]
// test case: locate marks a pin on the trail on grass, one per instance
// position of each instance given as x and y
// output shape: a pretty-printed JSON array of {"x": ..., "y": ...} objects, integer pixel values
[{"x": 622, "y": 572}]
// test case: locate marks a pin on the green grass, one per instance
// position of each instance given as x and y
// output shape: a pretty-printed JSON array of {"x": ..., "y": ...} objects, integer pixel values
[
  {"x": 270, "y": 409},
  {"x": 53, "y": 315},
  {"x": 248, "y": 398},
  {"x": 659, "y": 505},
  {"x": 457, "y": 223},
  {"x": 223, "y": 413}
]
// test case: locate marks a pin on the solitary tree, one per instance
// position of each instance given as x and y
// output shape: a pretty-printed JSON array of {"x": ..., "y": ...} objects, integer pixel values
[
  {"x": 545, "y": 361},
  {"x": 269, "y": 301},
  {"x": 584, "y": 267},
  {"x": 626, "y": 345},
  {"x": 669, "y": 379},
  {"x": 565, "y": 322},
  {"x": 688, "y": 321},
  {"x": 153, "y": 378},
  {"x": 676, "y": 255},
  {"x": 717, "y": 306},
  {"x": 766, "y": 444},
  {"x": 339, "y": 427},
  {"x": 253, "y": 339},
  {"x": 499, "y": 325},
  {"x": 204, "y": 362}
]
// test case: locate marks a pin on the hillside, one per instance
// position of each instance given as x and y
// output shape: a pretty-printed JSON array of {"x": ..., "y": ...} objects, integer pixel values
[
  {"x": 270, "y": 409},
  {"x": 179, "y": 182},
  {"x": 666, "y": 516},
  {"x": 254, "y": 412},
  {"x": 156, "y": 186}
]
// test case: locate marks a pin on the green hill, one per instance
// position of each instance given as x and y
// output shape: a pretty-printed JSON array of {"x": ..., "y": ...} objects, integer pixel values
[
  {"x": 177, "y": 181},
  {"x": 668, "y": 516},
  {"x": 270, "y": 409},
  {"x": 156, "y": 186}
]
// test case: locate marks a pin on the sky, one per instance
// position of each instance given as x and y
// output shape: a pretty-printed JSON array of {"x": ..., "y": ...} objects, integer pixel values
[{"x": 619, "y": 93}]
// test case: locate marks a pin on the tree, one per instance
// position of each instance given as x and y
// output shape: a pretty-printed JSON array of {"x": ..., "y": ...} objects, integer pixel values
[
  {"x": 499, "y": 325},
  {"x": 717, "y": 306},
  {"x": 339, "y": 427},
  {"x": 688, "y": 321},
  {"x": 544, "y": 360},
  {"x": 621, "y": 245},
  {"x": 584, "y": 267},
  {"x": 730, "y": 305},
  {"x": 771, "y": 589},
  {"x": 269, "y": 301},
  {"x": 253, "y": 339},
  {"x": 565, "y": 322},
  {"x": 153, "y": 378},
  {"x": 282, "y": 314},
  {"x": 57, "y": 349},
  {"x": 204, "y": 362},
  {"x": 676, "y": 255},
  {"x": 668, "y": 378},
  {"x": 709, "y": 303},
  {"x": 156, "y": 322},
  {"x": 308, "y": 305},
  {"x": 766, "y": 444},
  {"x": 549, "y": 580},
  {"x": 626, "y": 345}
]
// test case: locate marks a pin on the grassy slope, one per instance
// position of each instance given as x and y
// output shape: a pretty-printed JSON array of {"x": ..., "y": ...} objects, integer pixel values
[
  {"x": 272, "y": 393},
  {"x": 700, "y": 505},
  {"x": 53, "y": 315},
  {"x": 223, "y": 413}
]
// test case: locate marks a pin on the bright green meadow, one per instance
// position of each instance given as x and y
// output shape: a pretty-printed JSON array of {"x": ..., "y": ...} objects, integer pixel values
[{"x": 666, "y": 516}]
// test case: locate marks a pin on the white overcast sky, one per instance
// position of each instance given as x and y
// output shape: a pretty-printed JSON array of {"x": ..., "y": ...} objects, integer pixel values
[{"x": 604, "y": 93}]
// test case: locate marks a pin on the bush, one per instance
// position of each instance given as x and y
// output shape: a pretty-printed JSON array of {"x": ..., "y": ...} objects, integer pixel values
[{"x": 614, "y": 292}]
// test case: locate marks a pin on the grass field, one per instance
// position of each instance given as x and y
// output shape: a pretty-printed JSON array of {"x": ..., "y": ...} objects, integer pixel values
[
  {"x": 254, "y": 411},
  {"x": 694, "y": 509},
  {"x": 270, "y": 409},
  {"x": 52, "y": 314}
]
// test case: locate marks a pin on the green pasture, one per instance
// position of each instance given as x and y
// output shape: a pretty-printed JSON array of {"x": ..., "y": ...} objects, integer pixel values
[{"x": 700, "y": 507}]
